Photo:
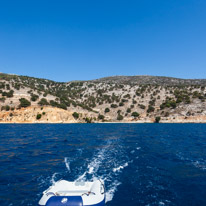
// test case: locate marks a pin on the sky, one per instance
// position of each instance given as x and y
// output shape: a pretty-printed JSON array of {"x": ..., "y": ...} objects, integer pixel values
[{"x": 66, "y": 40}]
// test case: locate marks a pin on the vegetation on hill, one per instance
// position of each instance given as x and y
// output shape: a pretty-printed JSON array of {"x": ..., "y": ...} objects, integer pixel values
[{"x": 118, "y": 98}]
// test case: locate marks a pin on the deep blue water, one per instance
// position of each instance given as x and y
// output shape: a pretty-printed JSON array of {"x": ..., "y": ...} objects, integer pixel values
[{"x": 141, "y": 164}]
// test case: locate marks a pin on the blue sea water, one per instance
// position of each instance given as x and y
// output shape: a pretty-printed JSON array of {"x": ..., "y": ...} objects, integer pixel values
[{"x": 141, "y": 164}]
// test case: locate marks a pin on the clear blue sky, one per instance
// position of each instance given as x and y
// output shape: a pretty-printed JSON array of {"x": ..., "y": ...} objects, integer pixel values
[{"x": 67, "y": 40}]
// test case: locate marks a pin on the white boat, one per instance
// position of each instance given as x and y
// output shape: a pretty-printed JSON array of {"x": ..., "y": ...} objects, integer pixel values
[{"x": 64, "y": 193}]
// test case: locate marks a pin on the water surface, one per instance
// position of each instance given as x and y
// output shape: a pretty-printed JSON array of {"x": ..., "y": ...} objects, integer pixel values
[{"x": 141, "y": 164}]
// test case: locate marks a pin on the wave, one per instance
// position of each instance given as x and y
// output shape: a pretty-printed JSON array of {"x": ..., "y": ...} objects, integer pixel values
[
  {"x": 67, "y": 164},
  {"x": 120, "y": 167},
  {"x": 110, "y": 193},
  {"x": 198, "y": 163},
  {"x": 53, "y": 178},
  {"x": 201, "y": 164},
  {"x": 106, "y": 164},
  {"x": 94, "y": 165}
]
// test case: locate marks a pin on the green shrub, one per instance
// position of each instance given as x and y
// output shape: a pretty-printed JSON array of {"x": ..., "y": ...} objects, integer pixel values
[
  {"x": 157, "y": 119},
  {"x": 2, "y": 108},
  {"x": 129, "y": 110},
  {"x": 2, "y": 99},
  {"x": 119, "y": 111},
  {"x": 114, "y": 105},
  {"x": 168, "y": 103},
  {"x": 62, "y": 106},
  {"x": 150, "y": 109},
  {"x": 173, "y": 104},
  {"x": 43, "y": 102},
  {"x": 152, "y": 102},
  {"x": 24, "y": 102},
  {"x": 135, "y": 114},
  {"x": 121, "y": 104},
  {"x": 141, "y": 106},
  {"x": 124, "y": 100},
  {"x": 167, "y": 114},
  {"x": 45, "y": 94},
  {"x": 7, "y": 107},
  {"x": 106, "y": 110},
  {"x": 53, "y": 103},
  {"x": 38, "y": 116},
  {"x": 8, "y": 94},
  {"x": 88, "y": 120},
  {"x": 101, "y": 116},
  {"x": 119, "y": 117},
  {"x": 34, "y": 97},
  {"x": 75, "y": 115},
  {"x": 187, "y": 100},
  {"x": 134, "y": 102}
]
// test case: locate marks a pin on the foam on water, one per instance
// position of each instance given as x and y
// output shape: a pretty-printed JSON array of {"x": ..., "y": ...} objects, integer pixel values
[
  {"x": 67, "y": 164},
  {"x": 109, "y": 156},
  {"x": 120, "y": 167},
  {"x": 201, "y": 164},
  {"x": 53, "y": 178},
  {"x": 110, "y": 193},
  {"x": 94, "y": 164},
  {"x": 132, "y": 152},
  {"x": 81, "y": 178},
  {"x": 198, "y": 163}
]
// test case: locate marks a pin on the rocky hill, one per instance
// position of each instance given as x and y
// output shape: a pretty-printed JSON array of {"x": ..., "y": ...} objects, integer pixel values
[
  {"x": 110, "y": 99},
  {"x": 153, "y": 80}
]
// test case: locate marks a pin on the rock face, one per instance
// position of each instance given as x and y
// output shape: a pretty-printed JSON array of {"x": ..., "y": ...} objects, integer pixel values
[
  {"x": 29, "y": 115},
  {"x": 111, "y": 99},
  {"x": 56, "y": 115}
]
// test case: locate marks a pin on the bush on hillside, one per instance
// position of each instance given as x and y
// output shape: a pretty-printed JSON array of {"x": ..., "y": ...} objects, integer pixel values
[
  {"x": 106, "y": 110},
  {"x": 135, "y": 114},
  {"x": 38, "y": 116},
  {"x": 150, "y": 109},
  {"x": 24, "y": 102},
  {"x": 8, "y": 94},
  {"x": 114, "y": 106},
  {"x": 43, "y": 102},
  {"x": 157, "y": 119},
  {"x": 34, "y": 97},
  {"x": 7, "y": 107},
  {"x": 119, "y": 117},
  {"x": 101, "y": 116},
  {"x": 141, "y": 106},
  {"x": 75, "y": 115}
]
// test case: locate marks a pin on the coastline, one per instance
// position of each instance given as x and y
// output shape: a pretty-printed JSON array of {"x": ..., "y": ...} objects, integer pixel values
[
  {"x": 107, "y": 122},
  {"x": 53, "y": 115}
]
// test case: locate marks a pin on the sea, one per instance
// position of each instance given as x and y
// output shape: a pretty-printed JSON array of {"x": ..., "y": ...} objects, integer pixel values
[{"x": 140, "y": 164}]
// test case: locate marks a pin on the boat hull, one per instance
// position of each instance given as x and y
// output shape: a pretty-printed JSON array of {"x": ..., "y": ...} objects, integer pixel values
[
  {"x": 64, "y": 193},
  {"x": 69, "y": 201}
]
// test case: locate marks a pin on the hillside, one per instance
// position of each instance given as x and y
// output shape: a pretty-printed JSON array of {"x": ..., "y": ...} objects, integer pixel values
[
  {"x": 110, "y": 99},
  {"x": 153, "y": 80}
]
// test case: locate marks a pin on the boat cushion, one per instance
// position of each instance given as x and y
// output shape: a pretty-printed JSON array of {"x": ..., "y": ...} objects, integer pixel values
[{"x": 65, "y": 201}]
